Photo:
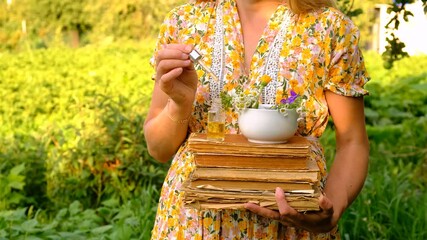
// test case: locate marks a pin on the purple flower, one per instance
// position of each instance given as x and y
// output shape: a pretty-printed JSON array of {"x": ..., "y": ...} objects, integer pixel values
[{"x": 290, "y": 99}]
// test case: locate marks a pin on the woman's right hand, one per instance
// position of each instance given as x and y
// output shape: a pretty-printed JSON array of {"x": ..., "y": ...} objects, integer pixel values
[
  {"x": 175, "y": 73},
  {"x": 166, "y": 124}
]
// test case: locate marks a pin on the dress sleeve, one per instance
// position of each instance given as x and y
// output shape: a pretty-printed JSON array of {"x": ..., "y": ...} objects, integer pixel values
[
  {"x": 347, "y": 72},
  {"x": 167, "y": 33}
]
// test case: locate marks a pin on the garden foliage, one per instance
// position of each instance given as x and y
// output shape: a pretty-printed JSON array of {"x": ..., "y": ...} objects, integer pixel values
[
  {"x": 78, "y": 23},
  {"x": 72, "y": 130},
  {"x": 74, "y": 163}
]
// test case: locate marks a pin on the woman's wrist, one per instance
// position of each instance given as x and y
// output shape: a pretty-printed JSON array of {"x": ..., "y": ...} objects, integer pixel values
[
  {"x": 339, "y": 207},
  {"x": 177, "y": 113}
]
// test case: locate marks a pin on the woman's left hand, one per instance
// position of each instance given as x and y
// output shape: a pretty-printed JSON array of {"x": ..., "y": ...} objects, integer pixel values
[{"x": 317, "y": 222}]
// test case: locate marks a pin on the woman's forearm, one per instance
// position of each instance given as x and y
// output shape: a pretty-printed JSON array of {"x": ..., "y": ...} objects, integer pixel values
[
  {"x": 347, "y": 174},
  {"x": 165, "y": 132},
  {"x": 349, "y": 169},
  {"x": 174, "y": 91}
]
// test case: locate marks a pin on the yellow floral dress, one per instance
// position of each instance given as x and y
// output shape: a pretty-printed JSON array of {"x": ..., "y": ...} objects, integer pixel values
[{"x": 315, "y": 52}]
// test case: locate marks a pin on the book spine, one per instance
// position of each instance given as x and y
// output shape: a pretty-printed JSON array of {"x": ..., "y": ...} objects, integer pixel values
[
  {"x": 228, "y": 161},
  {"x": 262, "y": 175}
]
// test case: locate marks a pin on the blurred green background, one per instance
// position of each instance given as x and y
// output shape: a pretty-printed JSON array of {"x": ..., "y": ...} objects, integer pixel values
[{"x": 75, "y": 85}]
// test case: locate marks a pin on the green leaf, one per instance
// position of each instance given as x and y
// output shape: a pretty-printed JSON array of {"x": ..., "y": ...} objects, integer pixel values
[
  {"x": 15, "y": 215},
  {"x": 16, "y": 181},
  {"x": 70, "y": 235},
  {"x": 3, "y": 235},
  {"x": 355, "y": 12},
  {"x": 17, "y": 169},
  {"x": 61, "y": 214},
  {"x": 104, "y": 212},
  {"x": 15, "y": 198},
  {"x": 101, "y": 230},
  {"x": 33, "y": 238},
  {"x": 50, "y": 226},
  {"x": 112, "y": 202},
  {"x": 75, "y": 208},
  {"x": 29, "y": 225}
]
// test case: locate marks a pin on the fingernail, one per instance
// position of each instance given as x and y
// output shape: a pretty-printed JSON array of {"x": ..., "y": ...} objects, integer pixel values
[{"x": 188, "y": 48}]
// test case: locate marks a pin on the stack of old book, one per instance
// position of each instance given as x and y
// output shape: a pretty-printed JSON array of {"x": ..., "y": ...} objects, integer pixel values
[{"x": 231, "y": 173}]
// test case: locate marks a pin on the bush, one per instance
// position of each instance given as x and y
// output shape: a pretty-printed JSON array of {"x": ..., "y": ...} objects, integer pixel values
[
  {"x": 75, "y": 119},
  {"x": 77, "y": 23},
  {"x": 398, "y": 94}
]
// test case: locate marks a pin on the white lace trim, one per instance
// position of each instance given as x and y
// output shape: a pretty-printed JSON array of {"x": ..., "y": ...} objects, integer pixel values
[
  {"x": 271, "y": 68},
  {"x": 218, "y": 55}
]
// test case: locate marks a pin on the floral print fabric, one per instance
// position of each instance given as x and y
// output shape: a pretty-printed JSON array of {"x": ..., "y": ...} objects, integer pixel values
[{"x": 319, "y": 53}]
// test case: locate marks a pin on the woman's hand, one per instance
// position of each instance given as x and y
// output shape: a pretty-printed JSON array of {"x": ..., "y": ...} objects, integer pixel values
[
  {"x": 166, "y": 124},
  {"x": 175, "y": 73},
  {"x": 317, "y": 222}
]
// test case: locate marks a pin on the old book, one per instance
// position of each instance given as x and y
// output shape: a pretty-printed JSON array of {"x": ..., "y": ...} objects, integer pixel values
[
  {"x": 211, "y": 199},
  {"x": 249, "y": 161},
  {"x": 237, "y": 144},
  {"x": 298, "y": 205},
  {"x": 262, "y": 175},
  {"x": 240, "y": 186}
]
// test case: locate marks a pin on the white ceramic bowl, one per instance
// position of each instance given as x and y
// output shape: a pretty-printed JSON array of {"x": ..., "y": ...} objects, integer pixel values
[{"x": 267, "y": 126}]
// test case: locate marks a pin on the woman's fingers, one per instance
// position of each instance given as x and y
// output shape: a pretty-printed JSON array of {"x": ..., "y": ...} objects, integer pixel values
[
  {"x": 171, "y": 54},
  {"x": 170, "y": 57},
  {"x": 284, "y": 208},
  {"x": 265, "y": 212},
  {"x": 320, "y": 221},
  {"x": 285, "y": 213},
  {"x": 268, "y": 213},
  {"x": 166, "y": 78},
  {"x": 165, "y": 66},
  {"x": 187, "y": 48},
  {"x": 288, "y": 216},
  {"x": 174, "y": 51},
  {"x": 175, "y": 72},
  {"x": 326, "y": 205}
]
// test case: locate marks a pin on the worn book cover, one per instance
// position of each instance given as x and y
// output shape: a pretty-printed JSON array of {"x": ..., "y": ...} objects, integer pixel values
[
  {"x": 261, "y": 175},
  {"x": 240, "y": 186},
  {"x": 237, "y": 144},
  {"x": 250, "y": 161},
  {"x": 211, "y": 199}
]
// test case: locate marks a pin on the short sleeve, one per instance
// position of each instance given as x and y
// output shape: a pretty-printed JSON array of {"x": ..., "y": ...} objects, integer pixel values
[
  {"x": 347, "y": 73},
  {"x": 167, "y": 33}
]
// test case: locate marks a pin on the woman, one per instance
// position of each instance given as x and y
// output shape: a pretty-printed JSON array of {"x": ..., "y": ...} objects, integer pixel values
[{"x": 307, "y": 46}]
